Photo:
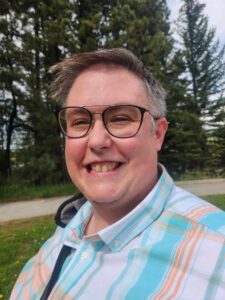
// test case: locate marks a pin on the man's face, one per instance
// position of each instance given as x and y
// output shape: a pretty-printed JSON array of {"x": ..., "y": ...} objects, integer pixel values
[{"x": 113, "y": 172}]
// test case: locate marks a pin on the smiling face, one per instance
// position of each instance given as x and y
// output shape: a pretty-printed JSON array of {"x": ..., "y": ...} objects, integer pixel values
[{"x": 113, "y": 172}]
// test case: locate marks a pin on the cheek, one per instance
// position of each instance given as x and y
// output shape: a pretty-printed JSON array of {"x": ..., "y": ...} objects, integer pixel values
[
  {"x": 144, "y": 150},
  {"x": 74, "y": 152},
  {"x": 134, "y": 149}
]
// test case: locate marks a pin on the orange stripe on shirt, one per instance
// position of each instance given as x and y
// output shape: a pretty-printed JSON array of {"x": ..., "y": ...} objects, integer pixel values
[
  {"x": 183, "y": 257},
  {"x": 200, "y": 211}
]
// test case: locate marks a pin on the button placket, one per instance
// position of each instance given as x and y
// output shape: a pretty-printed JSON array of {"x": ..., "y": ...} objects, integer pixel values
[{"x": 84, "y": 255}]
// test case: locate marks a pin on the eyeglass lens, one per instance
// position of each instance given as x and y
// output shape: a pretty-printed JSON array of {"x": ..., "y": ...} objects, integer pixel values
[{"x": 120, "y": 121}]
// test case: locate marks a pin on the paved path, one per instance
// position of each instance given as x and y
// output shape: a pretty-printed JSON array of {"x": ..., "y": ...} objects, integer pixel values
[
  {"x": 29, "y": 209},
  {"x": 41, "y": 207},
  {"x": 204, "y": 187}
]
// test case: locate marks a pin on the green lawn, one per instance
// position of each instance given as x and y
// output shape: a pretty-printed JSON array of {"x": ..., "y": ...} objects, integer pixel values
[
  {"x": 217, "y": 200},
  {"x": 21, "y": 239}
]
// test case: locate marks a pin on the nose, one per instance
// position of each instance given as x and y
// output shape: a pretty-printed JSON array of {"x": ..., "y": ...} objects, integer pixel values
[{"x": 98, "y": 138}]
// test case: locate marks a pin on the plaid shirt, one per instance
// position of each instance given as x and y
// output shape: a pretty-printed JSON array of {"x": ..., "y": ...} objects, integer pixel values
[{"x": 171, "y": 246}]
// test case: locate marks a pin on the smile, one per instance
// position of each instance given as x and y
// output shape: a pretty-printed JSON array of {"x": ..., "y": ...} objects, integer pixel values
[{"x": 103, "y": 167}]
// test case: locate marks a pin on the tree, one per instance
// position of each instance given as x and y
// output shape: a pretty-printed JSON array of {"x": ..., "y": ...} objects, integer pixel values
[
  {"x": 143, "y": 27},
  {"x": 44, "y": 37},
  {"x": 203, "y": 83},
  {"x": 47, "y": 31},
  {"x": 44, "y": 32},
  {"x": 216, "y": 140},
  {"x": 203, "y": 56},
  {"x": 185, "y": 147},
  {"x": 11, "y": 85}
]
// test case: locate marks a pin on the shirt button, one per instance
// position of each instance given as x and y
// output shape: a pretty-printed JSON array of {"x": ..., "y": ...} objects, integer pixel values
[{"x": 84, "y": 255}]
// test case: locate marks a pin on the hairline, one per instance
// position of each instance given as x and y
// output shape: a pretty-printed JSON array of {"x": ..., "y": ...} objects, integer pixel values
[
  {"x": 112, "y": 66},
  {"x": 67, "y": 72}
]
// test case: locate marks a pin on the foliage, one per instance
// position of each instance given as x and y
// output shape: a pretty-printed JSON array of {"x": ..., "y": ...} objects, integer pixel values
[
  {"x": 11, "y": 86},
  {"x": 21, "y": 192},
  {"x": 38, "y": 34},
  {"x": 196, "y": 104},
  {"x": 216, "y": 145},
  {"x": 203, "y": 56},
  {"x": 184, "y": 144},
  {"x": 198, "y": 175},
  {"x": 143, "y": 27}
]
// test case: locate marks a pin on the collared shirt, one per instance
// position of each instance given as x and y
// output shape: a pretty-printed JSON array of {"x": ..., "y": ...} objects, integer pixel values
[{"x": 171, "y": 246}]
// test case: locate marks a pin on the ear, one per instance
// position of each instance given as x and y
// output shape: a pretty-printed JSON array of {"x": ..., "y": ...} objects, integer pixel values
[{"x": 160, "y": 131}]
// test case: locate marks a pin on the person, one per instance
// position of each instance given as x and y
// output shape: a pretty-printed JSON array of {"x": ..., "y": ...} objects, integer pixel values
[{"x": 131, "y": 233}]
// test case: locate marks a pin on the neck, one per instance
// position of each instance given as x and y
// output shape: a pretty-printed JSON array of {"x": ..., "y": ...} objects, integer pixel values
[{"x": 105, "y": 215}]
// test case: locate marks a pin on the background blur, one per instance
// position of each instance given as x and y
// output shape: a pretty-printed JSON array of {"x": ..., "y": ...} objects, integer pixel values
[{"x": 185, "y": 56}]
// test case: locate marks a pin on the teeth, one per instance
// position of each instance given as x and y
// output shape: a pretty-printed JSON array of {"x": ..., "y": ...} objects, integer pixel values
[{"x": 103, "y": 167}]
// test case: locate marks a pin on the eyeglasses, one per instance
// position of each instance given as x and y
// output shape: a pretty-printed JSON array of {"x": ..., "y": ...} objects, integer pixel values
[{"x": 121, "y": 121}]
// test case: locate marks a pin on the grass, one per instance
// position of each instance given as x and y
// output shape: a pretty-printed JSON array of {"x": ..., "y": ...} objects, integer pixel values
[
  {"x": 21, "y": 192},
  {"x": 16, "y": 192},
  {"x": 198, "y": 175},
  {"x": 217, "y": 200},
  {"x": 19, "y": 241}
]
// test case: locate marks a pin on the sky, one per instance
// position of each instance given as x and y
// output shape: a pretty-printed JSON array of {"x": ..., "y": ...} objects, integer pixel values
[{"x": 215, "y": 10}]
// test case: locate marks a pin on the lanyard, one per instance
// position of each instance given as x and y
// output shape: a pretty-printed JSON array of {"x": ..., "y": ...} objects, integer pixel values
[{"x": 64, "y": 253}]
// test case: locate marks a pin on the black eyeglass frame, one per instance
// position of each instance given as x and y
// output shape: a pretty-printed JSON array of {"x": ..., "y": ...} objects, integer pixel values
[{"x": 141, "y": 109}]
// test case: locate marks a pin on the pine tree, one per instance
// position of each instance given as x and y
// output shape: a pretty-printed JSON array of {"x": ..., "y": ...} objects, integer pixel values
[
  {"x": 11, "y": 86},
  {"x": 45, "y": 38},
  {"x": 184, "y": 147},
  {"x": 203, "y": 56},
  {"x": 51, "y": 30},
  {"x": 205, "y": 65},
  {"x": 216, "y": 140},
  {"x": 142, "y": 27},
  {"x": 185, "y": 144}
]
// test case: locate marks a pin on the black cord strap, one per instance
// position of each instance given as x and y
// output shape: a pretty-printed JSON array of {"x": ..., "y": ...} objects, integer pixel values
[{"x": 64, "y": 253}]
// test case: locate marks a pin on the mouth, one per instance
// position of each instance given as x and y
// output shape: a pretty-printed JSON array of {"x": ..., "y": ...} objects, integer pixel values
[{"x": 103, "y": 167}]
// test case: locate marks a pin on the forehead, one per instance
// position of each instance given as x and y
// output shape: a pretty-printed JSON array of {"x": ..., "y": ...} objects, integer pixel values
[{"x": 107, "y": 85}]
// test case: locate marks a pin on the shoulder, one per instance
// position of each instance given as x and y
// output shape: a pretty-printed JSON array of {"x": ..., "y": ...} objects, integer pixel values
[{"x": 197, "y": 210}]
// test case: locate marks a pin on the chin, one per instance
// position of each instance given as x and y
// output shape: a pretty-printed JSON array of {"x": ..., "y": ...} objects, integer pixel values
[{"x": 101, "y": 198}]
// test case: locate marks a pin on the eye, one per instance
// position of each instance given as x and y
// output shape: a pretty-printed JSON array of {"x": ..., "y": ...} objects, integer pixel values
[
  {"x": 79, "y": 122},
  {"x": 120, "y": 119}
]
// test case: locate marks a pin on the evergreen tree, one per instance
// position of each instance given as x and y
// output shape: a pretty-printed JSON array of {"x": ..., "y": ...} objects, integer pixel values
[
  {"x": 11, "y": 85},
  {"x": 45, "y": 38},
  {"x": 50, "y": 30},
  {"x": 185, "y": 143},
  {"x": 143, "y": 27},
  {"x": 216, "y": 140},
  {"x": 201, "y": 83},
  {"x": 203, "y": 56}
]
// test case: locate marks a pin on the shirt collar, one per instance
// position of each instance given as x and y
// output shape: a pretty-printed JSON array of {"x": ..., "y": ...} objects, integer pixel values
[{"x": 117, "y": 235}]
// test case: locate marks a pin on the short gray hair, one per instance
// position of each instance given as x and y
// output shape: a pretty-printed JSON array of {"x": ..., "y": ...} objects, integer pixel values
[{"x": 66, "y": 72}]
